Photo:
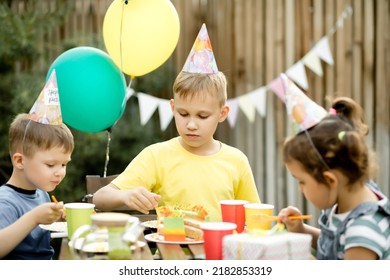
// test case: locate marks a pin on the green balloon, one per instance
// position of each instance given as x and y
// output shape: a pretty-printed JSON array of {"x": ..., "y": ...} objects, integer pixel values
[{"x": 91, "y": 87}]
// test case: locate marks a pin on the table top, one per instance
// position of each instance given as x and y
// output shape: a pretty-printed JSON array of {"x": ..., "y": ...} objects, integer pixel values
[
  {"x": 153, "y": 251},
  {"x": 181, "y": 252}
]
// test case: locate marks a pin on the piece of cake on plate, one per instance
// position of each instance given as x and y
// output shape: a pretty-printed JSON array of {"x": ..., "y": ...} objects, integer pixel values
[{"x": 176, "y": 223}]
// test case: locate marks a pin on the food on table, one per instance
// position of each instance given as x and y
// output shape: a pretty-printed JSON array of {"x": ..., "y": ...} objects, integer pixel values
[{"x": 176, "y": 223}]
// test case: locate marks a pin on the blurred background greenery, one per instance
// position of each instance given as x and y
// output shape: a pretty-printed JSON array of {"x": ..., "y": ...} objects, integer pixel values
[{"x": 21, "y": 83}]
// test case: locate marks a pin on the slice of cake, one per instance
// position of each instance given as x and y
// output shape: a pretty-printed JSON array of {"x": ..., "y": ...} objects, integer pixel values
[{"x": 176, "y": 223}]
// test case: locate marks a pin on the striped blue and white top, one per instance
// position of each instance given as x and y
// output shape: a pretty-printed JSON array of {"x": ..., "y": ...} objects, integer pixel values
[{"x": 371, "y": 231}]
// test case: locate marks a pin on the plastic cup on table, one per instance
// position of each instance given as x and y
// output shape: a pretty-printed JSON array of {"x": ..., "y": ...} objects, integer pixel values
[
  {"x": 256, "y": 216},
  {"x": 233, "y": 212},
  {"x": 77, "y": 215},
  {"x": 213, "y": 233}
]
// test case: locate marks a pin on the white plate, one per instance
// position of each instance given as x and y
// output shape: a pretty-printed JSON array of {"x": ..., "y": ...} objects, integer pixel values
[
  {"x": 96, "y": 247},
  {"x": 150, "y": 224},
  {"x": 158, "y": 238},
  {"x": 56, "y": 227}
]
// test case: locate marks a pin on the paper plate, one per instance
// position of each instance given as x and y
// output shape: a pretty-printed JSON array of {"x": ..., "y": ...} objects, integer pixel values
[
  {"x": 158, "y": 238},
  {"x": 57, "y": 227},
  {"x": 150, "y": 224}
]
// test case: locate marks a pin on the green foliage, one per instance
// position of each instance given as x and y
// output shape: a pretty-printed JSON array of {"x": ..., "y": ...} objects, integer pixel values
[
  {"x": 20, "y": 37},
  {"x": 21, "y": 33}
]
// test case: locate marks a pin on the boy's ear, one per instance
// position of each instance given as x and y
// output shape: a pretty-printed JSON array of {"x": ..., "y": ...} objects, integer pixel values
[
  {"x": 17, "y": 160},
  {"x": 331, "y": 178},
  {"x": 224, "y": 113},
  {"x": 172, "y": 103}
]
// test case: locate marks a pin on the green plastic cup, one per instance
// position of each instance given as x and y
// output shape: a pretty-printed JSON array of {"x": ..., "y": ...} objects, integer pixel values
[{"x": 77, "y": 215}]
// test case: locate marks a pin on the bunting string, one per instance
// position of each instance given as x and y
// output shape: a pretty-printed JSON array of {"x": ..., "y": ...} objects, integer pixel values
[{"x": 254, "y": 101}]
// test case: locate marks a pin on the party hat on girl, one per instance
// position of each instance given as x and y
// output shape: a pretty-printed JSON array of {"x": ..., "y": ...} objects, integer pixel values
[
  {"x": 303, "y": 112},
  {"x": 46, "y": 109},
  {"x": 201, "y": 58}
]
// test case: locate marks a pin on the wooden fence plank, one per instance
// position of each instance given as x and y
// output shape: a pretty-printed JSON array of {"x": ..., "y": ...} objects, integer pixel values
[
  {"x": 318, "y": 32},
  {"x": 368, "y": 81},
  {"x": 357, "y": 51},
  {"x": 329, "y": 71},
  {"x": 382, "y": 100}
]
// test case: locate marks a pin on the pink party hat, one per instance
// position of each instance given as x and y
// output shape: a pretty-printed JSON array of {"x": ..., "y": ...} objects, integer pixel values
[
  {"x": 303, "y": 112},
  {"x": 46, "y": 109},
  {"x": 201, "y": 58}
]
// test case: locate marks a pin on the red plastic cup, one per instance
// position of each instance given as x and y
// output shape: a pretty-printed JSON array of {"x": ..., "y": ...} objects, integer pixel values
[
  {"x": 233, "y": 211},
  {"x": 213, "y": 232}
]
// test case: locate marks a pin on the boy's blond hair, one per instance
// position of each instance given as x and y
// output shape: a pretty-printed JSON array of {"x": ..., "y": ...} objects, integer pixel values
[
  {"x": 27, "y": 137},
  {"x": 188, "y": 85}
]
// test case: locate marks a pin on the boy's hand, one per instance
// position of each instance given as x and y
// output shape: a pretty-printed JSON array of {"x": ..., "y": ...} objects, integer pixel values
[
  {"x": 141, "y": 199},
  {"x": 48, "y": 213}
]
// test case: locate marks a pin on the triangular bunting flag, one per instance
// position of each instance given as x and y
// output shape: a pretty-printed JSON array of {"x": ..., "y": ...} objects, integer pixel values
[
  {"x": 258, "y": 98},
  {"x": 233, "y": 112},
  {"x": 246, "y": 104},
  {"x": 165, "y": 113},
  {"x": 297, "y": 73},
  {"x": 277, "y": 87},
  {"x": 129, "y": 93},
  {"x": 322, "y": 50},
  {"x": 312, "y": 61},
  {"x": 147, "y": 105}
]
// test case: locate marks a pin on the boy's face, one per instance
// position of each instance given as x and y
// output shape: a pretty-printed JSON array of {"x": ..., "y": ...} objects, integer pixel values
[
  {"x": 197, "y": 119},
  {"x": 45, "y": 169}
]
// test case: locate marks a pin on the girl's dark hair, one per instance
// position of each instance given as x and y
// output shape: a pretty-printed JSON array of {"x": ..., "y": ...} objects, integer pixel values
[
  {"x": 337, "y": 142},
  {"x": 351, "y": 112}
]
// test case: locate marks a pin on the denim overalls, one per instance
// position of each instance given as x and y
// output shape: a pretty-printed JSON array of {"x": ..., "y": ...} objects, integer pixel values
[{"x": 328, "y": 242}]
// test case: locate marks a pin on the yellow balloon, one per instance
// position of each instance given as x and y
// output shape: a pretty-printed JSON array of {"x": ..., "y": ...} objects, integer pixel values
[{"x": 141, "y": 35}]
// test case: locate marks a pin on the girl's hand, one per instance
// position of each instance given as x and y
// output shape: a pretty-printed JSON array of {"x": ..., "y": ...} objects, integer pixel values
[{"x": 292, "y": 225}]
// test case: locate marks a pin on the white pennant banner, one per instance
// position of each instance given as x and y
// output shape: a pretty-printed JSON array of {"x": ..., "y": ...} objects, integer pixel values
[
  {"x": 129, "y": 93},
  {"x": 258, "y": 97},
  {"x": 246, "y": 105},
  {"x": 147, "y": 105},
  {"x": 297, "y": 73},
  {"x": 165, "y": 113},
  {"x": 233, "y": 113},
  {"x": 322, "y": 49},
  {"x": 312, "y": 61}
]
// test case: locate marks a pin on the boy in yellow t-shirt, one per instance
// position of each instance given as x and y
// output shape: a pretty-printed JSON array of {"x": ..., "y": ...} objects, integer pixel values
[{"x": 193, "y": 168}]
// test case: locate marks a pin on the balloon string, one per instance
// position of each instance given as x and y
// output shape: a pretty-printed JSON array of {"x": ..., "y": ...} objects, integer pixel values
[
  {"x": 129, "y": 85},
  {"x": 120, "y": 37},
  {"x": 107, "y": 152},
  {"x": 128, "y": 91}
]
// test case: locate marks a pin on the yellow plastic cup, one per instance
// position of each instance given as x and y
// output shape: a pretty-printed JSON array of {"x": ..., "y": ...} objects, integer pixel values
[{"x": 256, "y": 216}]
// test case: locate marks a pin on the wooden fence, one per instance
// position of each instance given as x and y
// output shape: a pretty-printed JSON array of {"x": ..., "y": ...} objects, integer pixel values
[{"x": 253, "y": 42}]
